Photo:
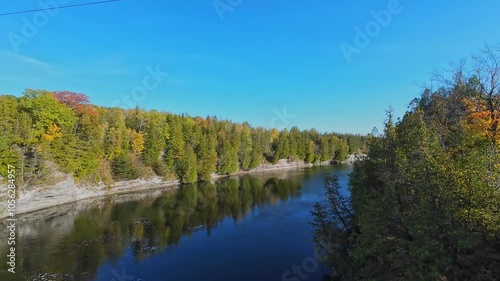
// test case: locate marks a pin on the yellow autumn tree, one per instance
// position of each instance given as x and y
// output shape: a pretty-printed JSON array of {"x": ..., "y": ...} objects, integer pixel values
[
  {"x": 137, "y": 142},
  {"x": 274, "y": 134},
  {"x": 52, "y": 132}
]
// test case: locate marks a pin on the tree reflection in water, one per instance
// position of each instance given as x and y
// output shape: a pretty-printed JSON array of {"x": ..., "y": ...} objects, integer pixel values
[{"x": 147, "y": 226}]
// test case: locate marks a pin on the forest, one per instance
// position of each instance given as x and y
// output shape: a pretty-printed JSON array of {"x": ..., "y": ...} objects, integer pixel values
[
  {"x": 44, "y": 132},
  {"x": 425, "y": 202}
]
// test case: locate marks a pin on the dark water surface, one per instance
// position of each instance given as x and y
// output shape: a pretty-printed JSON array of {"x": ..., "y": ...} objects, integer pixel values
[{"x": 252, "y": 227}]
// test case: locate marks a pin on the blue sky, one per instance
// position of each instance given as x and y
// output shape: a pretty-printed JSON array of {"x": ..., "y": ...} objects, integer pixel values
[{"x": 269, "y": 62}]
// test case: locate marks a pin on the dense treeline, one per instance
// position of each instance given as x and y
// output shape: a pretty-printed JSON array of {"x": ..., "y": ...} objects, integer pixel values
[
  {"x": 97, "y": 144},
  {"x": 425, "y": 204}
]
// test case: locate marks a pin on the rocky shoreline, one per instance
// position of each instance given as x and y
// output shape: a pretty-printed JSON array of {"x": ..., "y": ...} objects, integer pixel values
[{"x": 67, "y": 191}]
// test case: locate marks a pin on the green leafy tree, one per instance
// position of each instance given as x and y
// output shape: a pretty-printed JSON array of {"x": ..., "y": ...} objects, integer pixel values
[
  {"x": 186, "y": 166},
  {"x": 206, "y": 150},
  {"x": 175, "y": 146},
  {"x": 123, "y": 168},
  {"x": 156, "y": 134},
  {"x": 310, "y": 155},
  {"x": 228, "y": 149},
  {"x": 245, "y": 148}
]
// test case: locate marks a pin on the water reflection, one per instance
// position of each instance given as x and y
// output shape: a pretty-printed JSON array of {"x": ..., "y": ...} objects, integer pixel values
[{"x": 69, "y": 244}]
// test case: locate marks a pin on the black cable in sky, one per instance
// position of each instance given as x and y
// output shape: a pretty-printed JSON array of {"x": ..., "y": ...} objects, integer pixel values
[{"x": 60, "y": 7}]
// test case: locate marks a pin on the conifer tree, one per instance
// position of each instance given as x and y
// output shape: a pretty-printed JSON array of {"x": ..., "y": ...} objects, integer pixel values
[
  {"x": 245, "y": 148},
  {"x": 186, "y": 166}
]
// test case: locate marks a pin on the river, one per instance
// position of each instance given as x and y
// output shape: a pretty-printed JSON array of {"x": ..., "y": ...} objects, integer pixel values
[{"x": 252, "y": 227}]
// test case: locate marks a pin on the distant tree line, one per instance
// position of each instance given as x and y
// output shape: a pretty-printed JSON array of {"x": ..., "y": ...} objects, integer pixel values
[
  {"x": 99, "y": 144},
  {"x": 425, "y": 203}
]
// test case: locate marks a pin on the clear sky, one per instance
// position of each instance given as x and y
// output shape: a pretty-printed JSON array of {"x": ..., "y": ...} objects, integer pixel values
[{"x": 270, "y": 62}]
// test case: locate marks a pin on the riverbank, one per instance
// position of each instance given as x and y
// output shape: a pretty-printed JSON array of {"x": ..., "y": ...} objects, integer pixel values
[
  {"x": 352, "y": 158},
  {"x": 67, "y": 191}
]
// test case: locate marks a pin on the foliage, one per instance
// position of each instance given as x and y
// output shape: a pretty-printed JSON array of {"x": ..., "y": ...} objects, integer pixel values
[
  {"x": 425, "y": 203},
  {"x": 99, "y": 144},
  {"x": 123, "y": 168}
]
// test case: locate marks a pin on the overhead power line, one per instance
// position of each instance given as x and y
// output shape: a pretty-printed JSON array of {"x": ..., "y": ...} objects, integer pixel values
[{"x": 56, "y": 8}]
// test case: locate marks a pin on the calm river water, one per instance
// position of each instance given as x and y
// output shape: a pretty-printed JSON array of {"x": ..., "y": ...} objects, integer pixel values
[{"x": 253, "y": 227}]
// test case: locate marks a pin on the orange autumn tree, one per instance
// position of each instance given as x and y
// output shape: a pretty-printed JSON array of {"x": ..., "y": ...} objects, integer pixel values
[
  {"x": 482, "y": 119},
  {"x": 483, "y": 111}
]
